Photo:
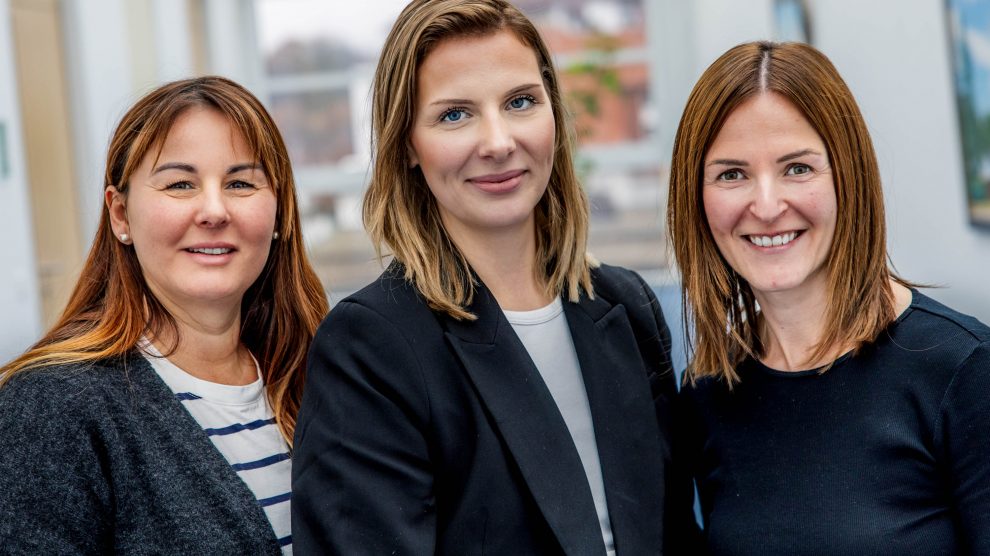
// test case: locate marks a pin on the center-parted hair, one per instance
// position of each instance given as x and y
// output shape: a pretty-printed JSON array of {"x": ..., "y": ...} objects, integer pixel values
[
  {"x": 112, "y": 307},
  {"x": 721, "y": 308},
  {"x": 400, "y": 212}
]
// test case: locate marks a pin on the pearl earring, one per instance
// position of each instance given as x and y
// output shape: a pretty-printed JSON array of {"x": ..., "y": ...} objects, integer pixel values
[
  {"x": 124, "y": 238},
  {"x": 275, "y": 235}
]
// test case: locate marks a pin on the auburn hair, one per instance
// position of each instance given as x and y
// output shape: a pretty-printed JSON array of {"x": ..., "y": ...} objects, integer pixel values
[
  {"x": 112, "y": 308},
  {"x": 401, "y": 214},
  {"x": 721, "y": 310}
]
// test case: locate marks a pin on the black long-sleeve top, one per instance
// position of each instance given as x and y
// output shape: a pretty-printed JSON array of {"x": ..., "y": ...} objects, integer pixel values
[{"x": 887, "y": 452}]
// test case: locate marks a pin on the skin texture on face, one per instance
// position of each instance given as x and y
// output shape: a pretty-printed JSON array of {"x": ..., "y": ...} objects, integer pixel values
[
  {"x": 769, "y": 198},
  {"x": 483, "y": 133},
  {"x": 200, "y": 215}
]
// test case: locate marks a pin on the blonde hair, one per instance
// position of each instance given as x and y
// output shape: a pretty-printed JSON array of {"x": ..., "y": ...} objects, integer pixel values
[
  {"x": 401, "y": 214},
  {"x": 721, "y": 306},
  {"x": 111, "y": 307}
]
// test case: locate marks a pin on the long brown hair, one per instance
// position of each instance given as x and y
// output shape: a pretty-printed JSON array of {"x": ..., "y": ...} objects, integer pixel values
[
  {"x": 720, "y": 305},
  {"x": 401, "y": 214},
  {"x": 111, "y": 307}
]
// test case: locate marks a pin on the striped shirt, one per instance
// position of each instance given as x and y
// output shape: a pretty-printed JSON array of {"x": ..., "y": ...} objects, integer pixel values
[{"x": 240, "y": 423}]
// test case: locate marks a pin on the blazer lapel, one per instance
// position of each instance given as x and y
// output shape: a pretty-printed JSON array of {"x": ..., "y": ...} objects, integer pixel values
[
  {"x": 625, "y": 422},
  {"x": 525, "y": 414}
]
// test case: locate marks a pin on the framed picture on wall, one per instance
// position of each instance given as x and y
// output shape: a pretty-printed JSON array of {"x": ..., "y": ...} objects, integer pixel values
[{"x": 969, "y": 34}]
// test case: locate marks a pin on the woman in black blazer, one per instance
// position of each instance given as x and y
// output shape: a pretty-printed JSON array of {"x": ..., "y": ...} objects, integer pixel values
[{"x": 495, "y": 390}]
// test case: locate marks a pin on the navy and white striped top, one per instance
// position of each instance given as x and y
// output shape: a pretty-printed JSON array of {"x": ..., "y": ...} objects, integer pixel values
[{"x": 241, "y": 424}]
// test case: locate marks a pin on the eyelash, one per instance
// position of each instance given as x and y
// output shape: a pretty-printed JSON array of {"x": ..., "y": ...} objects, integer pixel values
[
  {"x": 721, "y": 177},
  {"x": 180, "y": 182},
  {"x": 530, "y": 98},
  {"x": 172, "y": 186},
  {"x": 455, "y": 109},
  {"x": 449, "y": 111}
]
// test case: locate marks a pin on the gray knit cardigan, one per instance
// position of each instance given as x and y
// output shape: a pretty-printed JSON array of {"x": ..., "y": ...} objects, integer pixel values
[{"x": 103, "y": 459}]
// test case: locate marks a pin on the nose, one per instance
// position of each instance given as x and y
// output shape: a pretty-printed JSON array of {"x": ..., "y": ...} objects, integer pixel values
[
  {"x": 213, "y": 211},
  {"x": 769, "y": 201},
  {"x": 496, "y": 140}
]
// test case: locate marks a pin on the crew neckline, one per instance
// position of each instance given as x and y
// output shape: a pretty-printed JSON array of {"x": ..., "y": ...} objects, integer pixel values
[
  {"x": 765, "y": 369},
  {"x": 535, "y": 316},
  {"x": 180, "y": 381}
]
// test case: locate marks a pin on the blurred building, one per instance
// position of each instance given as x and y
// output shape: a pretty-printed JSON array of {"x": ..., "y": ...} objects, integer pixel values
[{"x": 69, "y": 69}]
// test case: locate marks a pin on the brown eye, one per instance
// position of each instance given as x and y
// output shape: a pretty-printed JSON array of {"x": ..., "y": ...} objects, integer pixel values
[{"x": 731, "y": 175}]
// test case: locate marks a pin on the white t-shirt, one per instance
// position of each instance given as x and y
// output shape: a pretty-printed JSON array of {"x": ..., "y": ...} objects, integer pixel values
[
  {"x": 547, "y": 338},
  {"x": 241, "y": 424}
]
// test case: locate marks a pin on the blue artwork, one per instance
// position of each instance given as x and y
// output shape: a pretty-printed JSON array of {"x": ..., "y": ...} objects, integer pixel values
[{"x": 969, "y": 31}]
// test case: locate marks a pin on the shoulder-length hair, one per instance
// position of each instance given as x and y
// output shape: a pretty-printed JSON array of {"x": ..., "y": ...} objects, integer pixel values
[
  {"x": 401, "y": 214},
  {"x": 721, "y": 306},
  {"x": 111, "y": 307}
]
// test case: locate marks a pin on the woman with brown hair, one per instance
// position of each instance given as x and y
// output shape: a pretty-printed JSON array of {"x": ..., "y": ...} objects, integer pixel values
[
  {"x": 495, "y": 390},
  {"x": 156, "y": 415},
  {"x": 831, "y": 408}
]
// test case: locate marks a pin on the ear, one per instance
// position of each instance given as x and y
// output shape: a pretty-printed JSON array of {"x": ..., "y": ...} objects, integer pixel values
[
  {"x": 117, "y": 209},
  {"x": 411, "y": 154}
]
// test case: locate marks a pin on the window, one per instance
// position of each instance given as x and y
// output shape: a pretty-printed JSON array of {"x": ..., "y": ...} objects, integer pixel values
[{"x": 318, "y": 59}]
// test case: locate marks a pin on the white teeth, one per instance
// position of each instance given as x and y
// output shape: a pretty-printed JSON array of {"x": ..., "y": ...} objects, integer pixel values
[
  {"x": 775, "y": 241},
  {"x": 210, "y": 250}
]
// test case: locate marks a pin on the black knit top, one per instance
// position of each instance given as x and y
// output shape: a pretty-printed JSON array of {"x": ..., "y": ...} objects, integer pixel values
[{"x": 887, "y": 452}]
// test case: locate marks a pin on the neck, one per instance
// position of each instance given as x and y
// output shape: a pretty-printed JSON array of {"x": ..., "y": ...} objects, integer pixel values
[
  {"x": 505, "y": 261},
  {"x": 789, "y": 332},
  {"x": 208, "y": 344}
]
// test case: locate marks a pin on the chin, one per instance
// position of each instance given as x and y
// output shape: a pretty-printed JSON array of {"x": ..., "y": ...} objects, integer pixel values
[{"x": 779, "y": 284}]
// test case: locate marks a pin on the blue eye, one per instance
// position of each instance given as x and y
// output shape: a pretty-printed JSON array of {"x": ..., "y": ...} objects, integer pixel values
[
  {"x": 798, "y": 170},
  {"x": 241, "y": 185},
  {"x": 452, "y": 115},
  {"x": 179, "y": 185},
  {"x": 522, "y": 102}
]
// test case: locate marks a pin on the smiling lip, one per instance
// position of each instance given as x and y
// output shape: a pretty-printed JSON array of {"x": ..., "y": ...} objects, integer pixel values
[
  {"x": 211, "y": 252},
  {"x": 498, "y": 183},
  {"x": 773, "y": 240}
]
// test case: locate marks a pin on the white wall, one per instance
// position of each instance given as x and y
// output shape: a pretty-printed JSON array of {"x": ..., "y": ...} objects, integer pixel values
[
  {"x": 20, "y": 308},
  {"x": 895, "y": 56}
]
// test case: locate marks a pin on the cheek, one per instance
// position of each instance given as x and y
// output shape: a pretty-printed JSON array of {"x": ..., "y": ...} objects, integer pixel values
[
  {"x": 823, "y": 206},
  {"x": 542, "y": 138},
  {"x": 157, "y": 223},
  {"x": 441, "y": 155},
  {"x": 258, "y": 216},
  {"x": 718, "y": 211}
]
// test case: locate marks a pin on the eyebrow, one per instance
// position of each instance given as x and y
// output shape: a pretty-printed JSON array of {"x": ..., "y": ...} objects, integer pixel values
[
  {"x": 727, "y": 162},
  {"x": 513, "y": 91},
  {"x": 190, "y": 169},
  {"x": 797, "y": 154},
  {"x": 785, "y": 158}
]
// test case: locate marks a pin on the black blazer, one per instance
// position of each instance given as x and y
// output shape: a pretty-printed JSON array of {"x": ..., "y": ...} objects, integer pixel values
[{"x": 420, "y": 434}]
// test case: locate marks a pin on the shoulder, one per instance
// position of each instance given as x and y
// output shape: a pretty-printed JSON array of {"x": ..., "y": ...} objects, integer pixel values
[
  {"x": 931, "y": 332},
  {"x": 385, "y": 319},
  {"x": 391, "y": 296},
  {"x": 67, "y": 386},
  {"x": 612, "y": 282},
  {"x": 926, "y": 313},
  {"x": 621, "y": 286},
  {"x": 703, "y": 388},
  {"x": 62, "y": 406}
]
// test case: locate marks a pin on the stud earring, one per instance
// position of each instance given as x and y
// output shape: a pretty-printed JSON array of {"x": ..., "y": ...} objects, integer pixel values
[
  {"x": 124, "y": 238},
  {"x": 274, "y": 235}
]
